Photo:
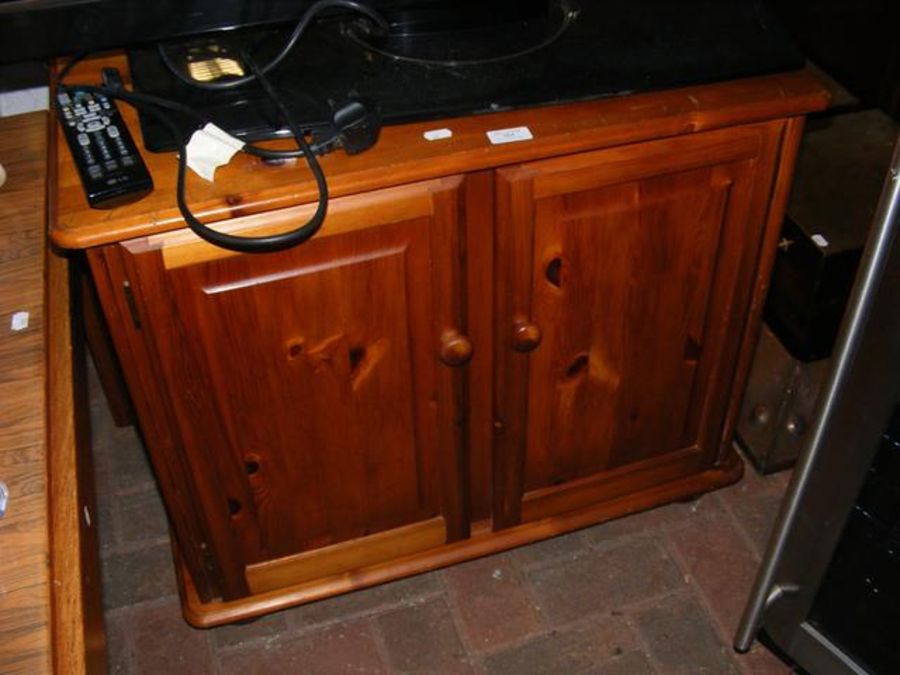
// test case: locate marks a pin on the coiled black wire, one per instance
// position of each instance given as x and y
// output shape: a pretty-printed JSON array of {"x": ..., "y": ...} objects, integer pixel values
[{"x": 160, "y": 109}]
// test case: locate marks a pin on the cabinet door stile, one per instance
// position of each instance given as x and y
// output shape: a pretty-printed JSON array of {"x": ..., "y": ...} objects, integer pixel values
[
  {"x": 453, "y": 348},
  {"x": 512, "y": 295},
  {"x": 477, "y": 262}
]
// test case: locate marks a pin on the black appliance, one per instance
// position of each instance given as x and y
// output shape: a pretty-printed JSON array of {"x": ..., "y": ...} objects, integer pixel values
[
  {"x": 572, "y": 51},
  {"x": 440, "y": 57},
  {"x": 37, "y": 29}
]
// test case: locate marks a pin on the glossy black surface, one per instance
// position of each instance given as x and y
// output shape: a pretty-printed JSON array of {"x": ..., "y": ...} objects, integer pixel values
[
  {"x": 609, "y": 48},
  {"x": 34, "y": 29}
]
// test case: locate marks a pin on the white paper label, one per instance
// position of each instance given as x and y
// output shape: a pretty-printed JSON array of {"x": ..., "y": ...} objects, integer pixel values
[
  {"x": 819, "y": 240},
  {"x": 19, "y": 321},
  {"x": 437, "y": 134},
  {"x": 210, "y": 148},
  {"x": 513, "y": 135}
]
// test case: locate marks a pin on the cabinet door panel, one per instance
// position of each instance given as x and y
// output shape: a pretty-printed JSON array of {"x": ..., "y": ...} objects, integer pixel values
[
  {"x": 624, "y": 290},
  {"x": 315, "y": 372},
  {"x": 630, "y": 265},
  {"x": 321, "y": 399}
]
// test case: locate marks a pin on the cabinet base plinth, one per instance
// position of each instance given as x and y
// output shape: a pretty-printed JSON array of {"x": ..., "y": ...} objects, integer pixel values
[{"x": 484, "y": 541}]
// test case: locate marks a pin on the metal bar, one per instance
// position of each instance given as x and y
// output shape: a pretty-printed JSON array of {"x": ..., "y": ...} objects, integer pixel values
[{"x": 875, "y": 257}]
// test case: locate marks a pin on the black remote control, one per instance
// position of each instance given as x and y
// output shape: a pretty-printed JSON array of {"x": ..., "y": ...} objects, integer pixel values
[{"x": 111, "y": 169}]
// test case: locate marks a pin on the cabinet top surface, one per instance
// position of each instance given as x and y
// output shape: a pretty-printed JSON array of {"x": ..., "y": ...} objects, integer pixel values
[{"x": 403, "y": 155}]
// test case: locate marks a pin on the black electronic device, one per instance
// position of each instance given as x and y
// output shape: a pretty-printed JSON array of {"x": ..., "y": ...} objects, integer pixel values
[
  {"x": 109, "y": 164},
  {"x": 437, "y": 58},
  {"x": 572, "y": 51},
  {"x": 37, "y": 29}
]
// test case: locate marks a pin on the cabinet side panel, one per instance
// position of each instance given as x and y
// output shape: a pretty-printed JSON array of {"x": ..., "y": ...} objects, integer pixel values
[
  {"x": 783, "y": 164},
  {"x": 180, "y": 495}
]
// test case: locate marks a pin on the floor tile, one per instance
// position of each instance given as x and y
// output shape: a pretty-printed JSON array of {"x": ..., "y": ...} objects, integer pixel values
[
  {"x": 565, "y": 546},
  {"x": 338, "y": 650},
  {"x": 632, "y": 663},
  {"x": 368, "y": 601},
  {"x": 138, "y": 576},
  {"x": 162, "y": 643},
  {"x": 493, "y": 604},
  {"x": 721, "y": 565},
  {"x": 423, "y": 639},
  {"x": 239, "y": 633},
  {"x": 681, "y": 640},
  {"x": 575, "y": 650},
  {"x": 599, "y": 581}
]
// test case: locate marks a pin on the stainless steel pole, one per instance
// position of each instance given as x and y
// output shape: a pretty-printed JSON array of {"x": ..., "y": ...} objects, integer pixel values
[{"x": 767, "y": 589}]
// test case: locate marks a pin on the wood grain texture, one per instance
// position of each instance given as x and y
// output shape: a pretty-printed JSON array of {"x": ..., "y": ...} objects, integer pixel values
[
  {"x": 325, "y": 415},
  {"x": 346, "y": 556},
  {"x": 25, "y": 618},
  {"x": 79, "y": 644},
  {"x": 402, "y": 155},
  {"x": 104, "y": 356},
  {"x": 483, "y": 541},
  {"x": 627, "y": 262}
]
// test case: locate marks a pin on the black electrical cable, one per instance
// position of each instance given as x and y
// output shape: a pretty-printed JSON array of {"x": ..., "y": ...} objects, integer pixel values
[
  {"x": 156, "y": 106},
  {"x": 268, "y": 243},
  {"x": 264, "y": 244},
  {"x": 71, "y": 63},
  {"x": 141, "y": 101},
  {"x": 307, "y": 17}
]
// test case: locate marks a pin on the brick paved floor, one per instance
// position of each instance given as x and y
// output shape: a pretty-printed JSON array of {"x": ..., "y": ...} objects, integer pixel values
[{"x": 658, "y": 592}]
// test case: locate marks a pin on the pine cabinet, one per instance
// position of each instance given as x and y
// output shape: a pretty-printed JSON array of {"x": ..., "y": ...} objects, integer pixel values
[{"x": 483, "y": 347}]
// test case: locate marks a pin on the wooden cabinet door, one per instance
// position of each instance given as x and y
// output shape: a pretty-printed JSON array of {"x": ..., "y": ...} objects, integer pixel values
[
  {"x": 623, "y": 282},
  {"x": 315, "y": 391}
]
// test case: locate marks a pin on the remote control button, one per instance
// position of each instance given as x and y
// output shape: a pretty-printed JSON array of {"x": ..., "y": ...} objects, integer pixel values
[
  {"x": 95, "y": 125},
  {"x": 111, "y": 165},
  {"x": 84, "y": 139},
  {"x": 127, "y": 160},
  {"x": 113, "y": 131},
  {"x": 80, "y": 127},
  {"x": 64, "y": 99}
]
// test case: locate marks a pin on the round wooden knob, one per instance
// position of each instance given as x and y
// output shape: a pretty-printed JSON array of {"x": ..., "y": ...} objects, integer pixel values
[
  {"x": 456, "y": 349},
  {"x": 526, "y": 336}
]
